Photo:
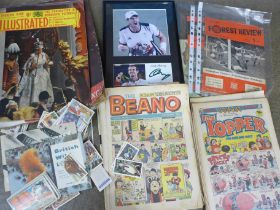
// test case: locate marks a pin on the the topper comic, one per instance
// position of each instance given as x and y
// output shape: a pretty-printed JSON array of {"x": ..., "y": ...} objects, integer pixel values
[{"x": 231, "y": 132}]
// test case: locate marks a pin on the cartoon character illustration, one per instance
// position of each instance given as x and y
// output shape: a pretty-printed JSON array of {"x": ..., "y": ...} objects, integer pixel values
[
  {"x": 270, "y": 159},
  {"x": 207, "y": 145},
  {"x": 160, "y": 134},
  {"x": 253, "y": 146},
  {"x": 175, "y": 180},
  {"x": 142, "y": 131},
  {"x": 156, "y": 192},
  {"x": 242, "y": 164},
  {"x": 188, "y": 184},
  {"x": 235, "y": 201},
  {"x": 165, "y": 131},
  {"x": 215, "y": 146},
  {"x": 143, "y": 154},
  {"x": 179, "y": 130},
  {"x": 233, "y": 147},
  {"x": 219, "y": 185},
  {"x": 128, "y": 134},
  {"x": 178, "y": 152},
  {"x": 156, "y": 153},
  {"x": 118, "y": 192}
]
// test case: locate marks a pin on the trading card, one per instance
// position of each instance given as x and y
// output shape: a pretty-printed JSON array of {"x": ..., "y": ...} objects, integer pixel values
[
  {"x": 38, "y": 194},
  {"x": 100, "y": 177},
  {"x": 93, "y": 158},
  {"x": 50, "y": 119},
  {"x": 26, "y": 140},
  {"x": 14, "y": 130},
  {"x": 68, "y": 117},
  {"x": 81, "y": 110},
  {"x": 74, "y": 169},
  {"x": 40, "y": 123},
  {"x": 62, "y": 110},
  {"x": 128, "y": 168},
  {"x": 64, "y": 199},
  {"x": 78, "y": 113},
  {"x": 127, "y": 152}
]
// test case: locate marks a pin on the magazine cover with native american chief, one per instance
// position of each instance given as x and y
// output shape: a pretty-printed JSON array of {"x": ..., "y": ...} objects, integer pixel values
[
  {"x": 156, "y": 121},
  {"x": 239, "y": 154},
  {"x": 45, "y": 60}
]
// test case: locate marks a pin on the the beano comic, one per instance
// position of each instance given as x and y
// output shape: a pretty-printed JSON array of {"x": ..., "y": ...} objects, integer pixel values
[{"x": 163, "y": 173}]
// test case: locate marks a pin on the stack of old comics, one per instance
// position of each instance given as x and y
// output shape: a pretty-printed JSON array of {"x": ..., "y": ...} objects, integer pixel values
[
  {"x": 48, "y": 166},
  {"x": 238, "y": 151}
]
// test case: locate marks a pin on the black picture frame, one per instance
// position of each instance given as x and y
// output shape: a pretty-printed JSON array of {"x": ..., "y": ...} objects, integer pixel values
[{"x": 112, "y": 9}]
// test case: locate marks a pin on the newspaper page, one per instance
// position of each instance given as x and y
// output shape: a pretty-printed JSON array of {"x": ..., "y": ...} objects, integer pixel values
[
  {"x": 156, "y": 120},
  {"x": 238, "y": 154}
]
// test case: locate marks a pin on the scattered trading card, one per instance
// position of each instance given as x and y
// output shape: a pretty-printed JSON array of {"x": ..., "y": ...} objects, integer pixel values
[
  {"x": 38, "y": 194},
  {"x": 64, "y": 199},
  {"x": 127, "y": 168},
  {"x": 65, "y": 128},
  {"x": 127, "y": 152},
  {"x": 25, "y": 139},
  {"x": 68, "y": 117},
  {"x": 40, "y": 123},
  {"x": 50, "y": 119},
  {"x": 100, "y": 177},
  {"x": 74, "y": 169},
  {"x": 93, "y": 157},
  {"x": 49, "y": 132},
  {"x": 76, "y": 112},
  {"x": 88, "y": 134},
  {"x": 62, "y": 110},
  {"x": 14, "y": 130},
  {"x": 81, "y": 110}
]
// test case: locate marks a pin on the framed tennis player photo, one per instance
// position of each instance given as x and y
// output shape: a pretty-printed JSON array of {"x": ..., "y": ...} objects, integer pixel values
[{"x": 141, "y": 43}]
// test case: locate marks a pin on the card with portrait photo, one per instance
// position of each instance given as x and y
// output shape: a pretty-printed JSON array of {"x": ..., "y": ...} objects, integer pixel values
[
  {"x": 127, "y": 168},
  {"x": 146, "y": 74},
  {"x": 142, "y": 35},
  {"x": 37, "y": 194},
  {"x": 127, "y": 151}
]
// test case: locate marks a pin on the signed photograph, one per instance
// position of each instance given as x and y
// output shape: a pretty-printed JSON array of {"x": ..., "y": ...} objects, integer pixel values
[
  {"x": 142, "y": 74},
  {"x": 140, "y": 32},
  {"x": 141, "y": 45}
]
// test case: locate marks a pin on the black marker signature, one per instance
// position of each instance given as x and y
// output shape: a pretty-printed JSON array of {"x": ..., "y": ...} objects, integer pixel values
[{"x": 158, "y": 71}]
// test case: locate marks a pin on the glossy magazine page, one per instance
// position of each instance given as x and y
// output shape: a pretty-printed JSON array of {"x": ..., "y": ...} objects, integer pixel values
[{"x": 45, "y": 60}]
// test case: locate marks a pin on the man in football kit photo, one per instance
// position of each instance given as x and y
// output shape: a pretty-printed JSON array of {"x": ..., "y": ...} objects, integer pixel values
[
  {"x": 134, "y": 79},
  {"x": 138, "y": 38}
]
